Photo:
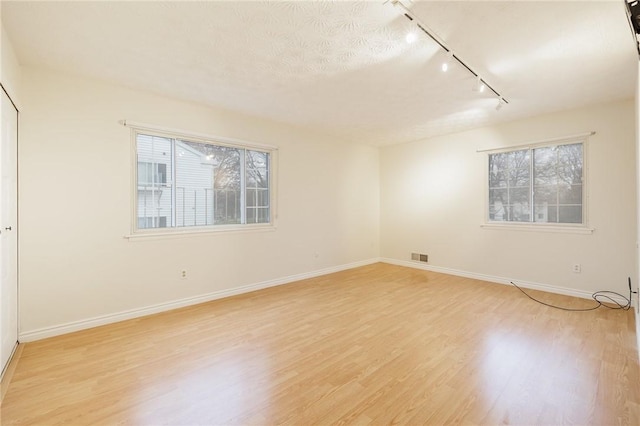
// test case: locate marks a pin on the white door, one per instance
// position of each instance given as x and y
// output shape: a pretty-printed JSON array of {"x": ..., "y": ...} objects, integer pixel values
[{"x": 8, "y": 231}]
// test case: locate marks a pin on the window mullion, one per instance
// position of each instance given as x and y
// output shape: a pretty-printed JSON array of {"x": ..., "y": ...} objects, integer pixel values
[
  {"x": 509, "y": 192},
  {"x": 243, "y": 190},
  {"x": 557, "y": 188},
  {"x": 174, "y": 195},
  {"x": 153, "y": 189},
  {"x": 532, "y": 183}
]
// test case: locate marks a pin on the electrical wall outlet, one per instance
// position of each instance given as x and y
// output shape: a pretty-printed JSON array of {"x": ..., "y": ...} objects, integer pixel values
[
  {"x": 577, "y": 268},
  {"x": 183, "y": 274}
]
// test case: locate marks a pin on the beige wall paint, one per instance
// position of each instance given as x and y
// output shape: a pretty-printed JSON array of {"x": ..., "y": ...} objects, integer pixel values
[
  {"x": 75, "y": 189},
  {"x": 347, "y": 203},
  {"x": 9, "y": 68},
  {"x": 433, "y": 201}
]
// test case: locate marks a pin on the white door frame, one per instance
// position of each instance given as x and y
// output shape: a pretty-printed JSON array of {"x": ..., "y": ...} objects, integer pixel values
[{"x": 9, "y": 229}]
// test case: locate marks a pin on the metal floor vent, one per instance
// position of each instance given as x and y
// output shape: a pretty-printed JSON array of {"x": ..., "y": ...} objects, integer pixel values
[{"x": 419, "y": 257}]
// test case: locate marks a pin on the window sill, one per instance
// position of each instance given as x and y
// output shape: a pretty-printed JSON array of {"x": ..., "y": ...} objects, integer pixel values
[
  {"x": 178, "y": 233},
  {"x": 539, "y": 228}
]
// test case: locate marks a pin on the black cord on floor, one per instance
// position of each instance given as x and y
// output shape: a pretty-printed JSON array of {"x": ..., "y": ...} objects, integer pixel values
[{"x": 600, "y": 298}]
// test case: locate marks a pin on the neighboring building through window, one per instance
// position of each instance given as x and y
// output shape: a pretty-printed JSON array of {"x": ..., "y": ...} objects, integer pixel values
[
  {"x": 152, "y": 222},
  {"x": 186, "y": 183},
  {"x": 152, "y": 173},
  {"x": 542, "y": 185}
]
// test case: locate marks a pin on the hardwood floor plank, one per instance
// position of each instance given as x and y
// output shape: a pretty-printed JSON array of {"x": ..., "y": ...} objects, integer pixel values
[{"x": 381, "y": 344}]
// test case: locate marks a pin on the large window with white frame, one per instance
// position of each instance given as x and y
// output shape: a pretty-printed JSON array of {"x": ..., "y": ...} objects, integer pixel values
[
  {"x": 183, "y": 182},
  {"x": 539, "y": 185}
]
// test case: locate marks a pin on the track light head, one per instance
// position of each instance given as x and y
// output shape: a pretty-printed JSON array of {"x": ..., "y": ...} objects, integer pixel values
[
  {"x": 479, "y": 86},
  {"x": 447, "y": 62}
]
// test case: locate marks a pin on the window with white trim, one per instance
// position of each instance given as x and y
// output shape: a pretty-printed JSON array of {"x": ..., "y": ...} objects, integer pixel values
[
  {"x": 544, "y": 184},
  {"x": 182, "y": 182}
]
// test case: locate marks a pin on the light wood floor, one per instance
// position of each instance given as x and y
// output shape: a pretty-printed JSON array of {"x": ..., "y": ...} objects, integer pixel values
[{"x": 378, "y": 344}]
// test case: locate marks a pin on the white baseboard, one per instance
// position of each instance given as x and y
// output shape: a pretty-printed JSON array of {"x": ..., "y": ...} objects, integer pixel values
[
  {"x": 43, "y": 333},
  {"x": 495, "y": 279}
]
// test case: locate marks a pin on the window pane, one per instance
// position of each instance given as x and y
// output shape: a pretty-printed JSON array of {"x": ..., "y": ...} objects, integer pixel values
[
  {"x": 194, "y": 184},
  {"x": 519, "y": 196},
  {"x": 154, "y": 181},
  {"x": 226, "y": 173},
  {"x": 546, "y": 194},
  {"x": 497, "y": 212},
  {"x": 227, "y": 207},
  {"x": 520, "y": 212},
  {"x": 570, "y": 194},
  {"x": 161, "y": 172},
  {"x": 520, "y": 177},
  {"x": 498, "y": 195},
  {"x": 540, "y": 213},
  {"x": 144, "y": 173},
  {"x": 519, "y": 159},
  {"x": 570, "y": 164},
  {"x": 497, "y": 179},
  {"x": 510, "y": 183},
  {"x": 498, "y": 170},
  {"x": 570, "y": 214},
  {"x": 152, "y": 173},
  {"x": 257, "y": 184},
  {"x": 251, "y": 197},
  {"x": 546, "y": 213},
  {"x": 545, "y": 165},
  {"x": 263, "y": 198},
  {"x": 251, "y": 215},
  {"x": 263, "y": 215},
  {"x": 257, "y": 165},
  {"x": 258, "y": 215}
]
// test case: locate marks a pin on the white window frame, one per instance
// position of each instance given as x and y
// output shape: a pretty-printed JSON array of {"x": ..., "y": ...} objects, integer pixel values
[
  {"x": 577, "y": 228},
  {"x": 147, "y": 129}
]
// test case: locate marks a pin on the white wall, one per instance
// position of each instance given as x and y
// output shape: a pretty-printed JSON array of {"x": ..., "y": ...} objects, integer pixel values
[
  {"x": 345, "y": 203},
  {"x": 9, "y": 68},
  {"x": 75, "y": 207},
  {"x": 433, "y": 201}
]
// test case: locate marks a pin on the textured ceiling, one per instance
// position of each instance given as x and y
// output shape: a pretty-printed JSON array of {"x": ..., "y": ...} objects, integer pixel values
[{"x": 342, "y": 68}]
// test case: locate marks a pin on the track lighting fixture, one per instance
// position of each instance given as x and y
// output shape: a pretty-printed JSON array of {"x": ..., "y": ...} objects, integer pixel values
[
  {"x": 500, "y": 104},
  {"x": 481, "y": 84}
]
